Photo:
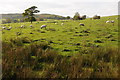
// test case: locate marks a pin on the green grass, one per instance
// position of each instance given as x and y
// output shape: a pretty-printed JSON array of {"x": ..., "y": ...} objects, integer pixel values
[
  {"x": 62, "y": 51},
  {"x": 69, "y": 34}
]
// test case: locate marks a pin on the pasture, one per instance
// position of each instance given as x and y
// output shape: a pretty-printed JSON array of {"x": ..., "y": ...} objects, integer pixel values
[
  {"x": 64, "y": 49},
  {"x": 68, "y": 38}
]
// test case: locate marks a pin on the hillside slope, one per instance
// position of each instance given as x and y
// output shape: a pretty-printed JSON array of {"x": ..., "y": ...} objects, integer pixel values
[{"x": 19, "y": 16}]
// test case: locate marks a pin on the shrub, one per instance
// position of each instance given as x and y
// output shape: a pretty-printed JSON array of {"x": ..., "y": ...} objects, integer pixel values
[
  {"x": 19, "y": 41},
  {"x": 37, "y": 60},
  {"x": 14, "y": 61},
  {"x": 17, "y": 61}
]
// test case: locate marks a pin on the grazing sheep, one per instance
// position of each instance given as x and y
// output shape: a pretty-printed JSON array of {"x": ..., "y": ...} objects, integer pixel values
[
  {"x": 4, "y": 27},
  {"x": 43, "y": 26},
  {"x": 107, "y": 21},
  {"x": 62, "y": 23},
  {"x": 81, "y": 24},
  {"x": 110, "y": 21},
  {"x": 31, "y": 26},
  {"x": 56, "y": 23},
  {"x": 22, "y": 26},
  {"x": 10, "y": 27}
]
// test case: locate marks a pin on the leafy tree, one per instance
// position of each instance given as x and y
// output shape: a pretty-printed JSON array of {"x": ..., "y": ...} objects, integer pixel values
[
  {"x": 29, "y": 13},
  {"x": 76, "y": 16},
  {"x": 83, "y": 17},
  {"x": 68, "y": 17},
  {"x": 96, "y": 17}
]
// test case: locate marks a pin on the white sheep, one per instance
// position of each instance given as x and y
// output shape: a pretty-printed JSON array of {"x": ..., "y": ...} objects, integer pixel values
[
  {"x": 62, "y": 23},
  {"x": 107, "y": 21},
  {"x": 3, "y": 27},
  {"x": 31, "y": 26},
  {"x": 10, "y": 27},
  {"x": 110, "y": 21},
  {"x": 56, "y": 23},
  {"x": 43, "y": 26},
  {"x": 22, "y": 26}
]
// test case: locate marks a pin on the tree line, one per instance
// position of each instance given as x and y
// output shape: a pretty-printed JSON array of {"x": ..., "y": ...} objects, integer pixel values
[{"x": 29, "y": 16}]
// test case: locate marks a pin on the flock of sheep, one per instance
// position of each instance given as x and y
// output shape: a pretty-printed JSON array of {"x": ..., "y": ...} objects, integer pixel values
[
  {"x": 44, "y": 26},
  {"x": 7, "y": 28},
  {"x": 31, "y": 26},
  {"x": 22, "y": 26}
]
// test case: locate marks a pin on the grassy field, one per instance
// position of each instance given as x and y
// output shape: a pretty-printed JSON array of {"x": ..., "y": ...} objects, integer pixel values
[
  {"x": 89, "y": 51},
  {"x": 70, "y": 37}
]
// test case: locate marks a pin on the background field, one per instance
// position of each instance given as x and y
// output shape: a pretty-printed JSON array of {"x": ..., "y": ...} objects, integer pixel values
[{"x": 70, "y": 37}]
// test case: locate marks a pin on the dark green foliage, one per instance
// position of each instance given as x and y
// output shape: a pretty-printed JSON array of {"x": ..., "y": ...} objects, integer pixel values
[
  {"x": 68, "y": 17},
  {"x": 96, "y": 17},
  {"x": 83, "y": 17},
  {"x": 29, "y": 14},
  {"x": 76, "y": 16}
]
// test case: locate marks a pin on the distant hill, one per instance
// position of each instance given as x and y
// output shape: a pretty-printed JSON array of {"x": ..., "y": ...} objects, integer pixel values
[
  {"x": 44, "y": 16},
  {"x": 49, "y": 16},
  {"x": 11, "y": 16}
]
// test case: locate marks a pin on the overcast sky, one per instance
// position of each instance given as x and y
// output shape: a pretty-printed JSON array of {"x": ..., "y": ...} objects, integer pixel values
[{"x": 62, "y": 7}]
